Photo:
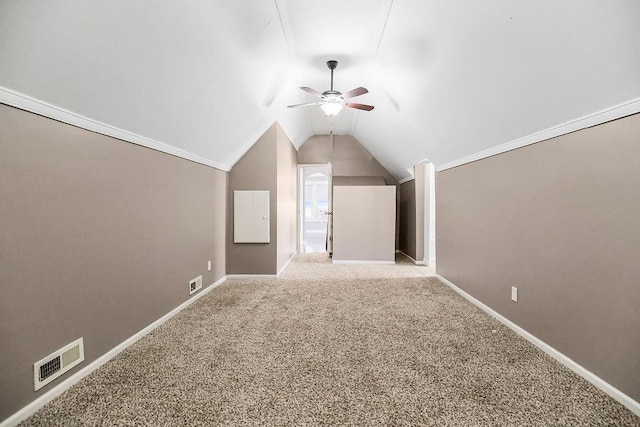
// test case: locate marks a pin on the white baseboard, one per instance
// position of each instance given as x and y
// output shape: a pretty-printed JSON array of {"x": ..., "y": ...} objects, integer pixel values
[
  {"x": 430, "y": 262},
  {"x": 337, "y": 261},
  {"x": 560, "y": 357},
  {"x": 251, "y": 276},
  {"x": 413, "y": 260},
  {"x": 286, "y": 264},
  {"x": 56, "y": 391}
]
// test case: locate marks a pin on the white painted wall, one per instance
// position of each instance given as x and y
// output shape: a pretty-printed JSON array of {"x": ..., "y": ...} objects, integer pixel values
[
  {"x": 424, "y": 173},
  {"x": 430, "y": 214}
]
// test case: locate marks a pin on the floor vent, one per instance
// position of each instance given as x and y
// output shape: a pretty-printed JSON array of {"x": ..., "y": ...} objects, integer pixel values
[{"x": 57, "y": 363}]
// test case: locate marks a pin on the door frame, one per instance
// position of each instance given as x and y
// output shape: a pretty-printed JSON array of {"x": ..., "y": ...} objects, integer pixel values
[{"x": 300, "y": 207}]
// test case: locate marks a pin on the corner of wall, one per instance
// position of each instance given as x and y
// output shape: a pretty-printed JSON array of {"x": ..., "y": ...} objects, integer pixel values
[
  {"x": 255, "y": 171},
  {"x": 287, "y": 180}
]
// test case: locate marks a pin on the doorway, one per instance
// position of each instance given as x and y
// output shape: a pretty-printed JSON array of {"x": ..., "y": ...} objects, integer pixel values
[{"x": 314, "y": 209}]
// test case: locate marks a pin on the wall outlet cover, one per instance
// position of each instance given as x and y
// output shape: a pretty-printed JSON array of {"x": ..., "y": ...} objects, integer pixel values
[{"x": 514, "y": 294}]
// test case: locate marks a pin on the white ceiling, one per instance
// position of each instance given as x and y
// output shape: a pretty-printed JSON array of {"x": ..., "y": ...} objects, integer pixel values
[{"x": 448, "y": 78}]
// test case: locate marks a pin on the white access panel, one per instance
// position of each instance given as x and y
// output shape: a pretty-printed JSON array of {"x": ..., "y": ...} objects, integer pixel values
[{"x": 251, "y": 217}]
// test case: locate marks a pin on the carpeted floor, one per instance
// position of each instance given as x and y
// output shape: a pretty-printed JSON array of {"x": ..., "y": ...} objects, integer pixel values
[{"x": 333, "y": 345}]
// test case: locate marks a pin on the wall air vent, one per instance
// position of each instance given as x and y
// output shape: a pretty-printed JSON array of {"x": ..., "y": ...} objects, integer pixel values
[
  {"x": 57, "y": 363},
  {"x": 195, "y": 285}
]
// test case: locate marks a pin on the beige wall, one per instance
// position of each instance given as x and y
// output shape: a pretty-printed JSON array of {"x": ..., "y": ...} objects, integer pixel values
[
  {"x": 255, "y": 171},
  {"x": 560, "y": 221},
  {"x": 347, "y": 156},
  {"x": 351, "y": 163},
  {"x": 407, "y": 219},
  {"x": 412, "y": 214},
  {"x": 287, "y": 189},
  {"x": 269, "y": 165},
  {"x": 358, "y": 180},
  {"x": 99, "y": 238},
  {"x": 364, "y": 220}
]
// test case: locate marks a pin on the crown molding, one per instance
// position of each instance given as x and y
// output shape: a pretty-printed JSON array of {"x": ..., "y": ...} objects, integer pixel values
[
  {"x": 27, "y": 103},
  {"x": 612, "y": 113}
]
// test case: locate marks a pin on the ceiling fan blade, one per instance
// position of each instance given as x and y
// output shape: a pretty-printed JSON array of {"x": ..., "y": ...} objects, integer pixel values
[
  {"x": 357, "y": 106},
  {"x": 312, "y": 91},
  {"x": 307, "y": 104},
  {"x": 355, "y": 92}
]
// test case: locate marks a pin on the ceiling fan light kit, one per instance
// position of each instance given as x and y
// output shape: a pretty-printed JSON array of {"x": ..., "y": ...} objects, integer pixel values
[
  {"x": 331, "y": 107},
  {"x": 333, "y": 101}
]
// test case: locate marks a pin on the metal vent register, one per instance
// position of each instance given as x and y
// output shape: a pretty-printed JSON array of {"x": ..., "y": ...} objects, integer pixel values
[{"x": 57, "y": 363}]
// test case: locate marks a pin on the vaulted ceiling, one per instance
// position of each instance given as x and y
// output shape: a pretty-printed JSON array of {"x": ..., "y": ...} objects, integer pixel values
[{"x": 448, "y": 78}]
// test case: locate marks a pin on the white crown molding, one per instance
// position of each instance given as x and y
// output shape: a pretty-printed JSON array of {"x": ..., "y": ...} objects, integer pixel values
[
  {"x": 612, "y": 113},
  {"x": 560, "y": 357},
  {"x": 406, "y": 179},
  {"x": 56, "y": 391},
  {"x": 24, "y": 102}
]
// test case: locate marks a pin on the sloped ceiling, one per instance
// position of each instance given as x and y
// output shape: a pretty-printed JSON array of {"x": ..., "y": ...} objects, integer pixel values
[{"x": 448, "y": 78}]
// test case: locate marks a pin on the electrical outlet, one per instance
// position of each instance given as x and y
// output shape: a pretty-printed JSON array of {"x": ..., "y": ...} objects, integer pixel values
[
  {"x": 209, "y": 266},
  {"x": 514, "y": 294}
]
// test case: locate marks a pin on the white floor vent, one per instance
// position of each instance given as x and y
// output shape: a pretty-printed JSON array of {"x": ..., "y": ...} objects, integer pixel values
[{"x": 57, "y": 363}]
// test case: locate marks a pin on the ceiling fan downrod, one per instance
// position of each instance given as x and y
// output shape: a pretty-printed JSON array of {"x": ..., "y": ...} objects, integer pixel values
[{"x": 332, "y": 64}]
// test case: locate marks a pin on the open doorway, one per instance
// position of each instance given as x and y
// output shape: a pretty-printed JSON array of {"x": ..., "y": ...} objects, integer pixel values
[{"x": 314, "y": 208}]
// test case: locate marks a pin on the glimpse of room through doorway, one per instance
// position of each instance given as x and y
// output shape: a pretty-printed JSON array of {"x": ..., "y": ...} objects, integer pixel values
[{"x": 315, "y": 207}]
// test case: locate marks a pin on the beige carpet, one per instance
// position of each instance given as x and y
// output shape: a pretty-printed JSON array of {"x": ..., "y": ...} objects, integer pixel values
[{"x": 333, "y": 345}]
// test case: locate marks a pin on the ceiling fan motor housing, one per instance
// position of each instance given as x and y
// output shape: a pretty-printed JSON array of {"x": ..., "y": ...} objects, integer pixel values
[{"x": 331, "y": 93}]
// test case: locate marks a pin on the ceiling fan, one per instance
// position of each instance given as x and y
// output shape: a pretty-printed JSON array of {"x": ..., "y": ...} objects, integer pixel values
[{"x": 333, "y": 101}]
